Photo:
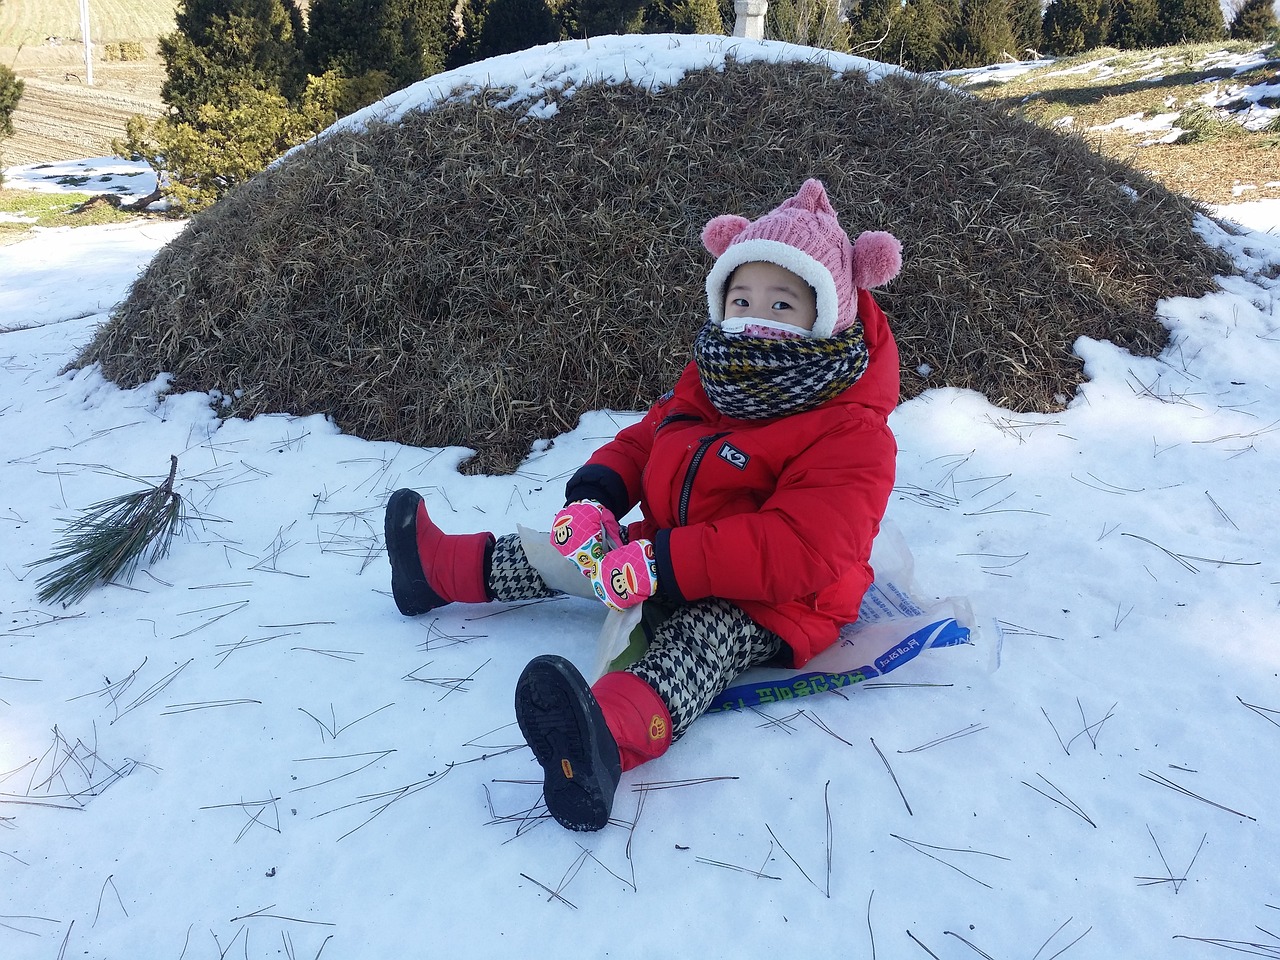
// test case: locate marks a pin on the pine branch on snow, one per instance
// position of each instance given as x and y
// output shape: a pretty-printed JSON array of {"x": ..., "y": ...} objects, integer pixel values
[{"x": 109, "y": 540}]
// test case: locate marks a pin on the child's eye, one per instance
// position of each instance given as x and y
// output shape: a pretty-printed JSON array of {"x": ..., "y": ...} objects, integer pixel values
[
  {"x": 782, "y": 305},
  {"x": 739, "y": 302}
]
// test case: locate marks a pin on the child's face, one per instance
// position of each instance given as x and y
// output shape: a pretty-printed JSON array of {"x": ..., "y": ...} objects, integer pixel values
[{"x": 766, "y": 291}]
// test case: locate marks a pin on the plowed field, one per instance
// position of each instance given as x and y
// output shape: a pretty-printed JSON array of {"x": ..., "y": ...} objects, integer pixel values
[
  {"x": 61, "y": 117},
  {"x": 27, "y": 22}
]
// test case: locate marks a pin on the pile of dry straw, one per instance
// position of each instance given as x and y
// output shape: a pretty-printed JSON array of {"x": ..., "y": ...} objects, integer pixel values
[{"x": 473, "y": 277}]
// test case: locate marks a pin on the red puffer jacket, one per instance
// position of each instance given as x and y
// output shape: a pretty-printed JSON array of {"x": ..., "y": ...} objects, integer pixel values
[{"x": 774, "y": 515}]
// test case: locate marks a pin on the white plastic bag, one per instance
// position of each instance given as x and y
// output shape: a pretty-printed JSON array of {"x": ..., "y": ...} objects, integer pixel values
[{"x": 561, "y": 573}]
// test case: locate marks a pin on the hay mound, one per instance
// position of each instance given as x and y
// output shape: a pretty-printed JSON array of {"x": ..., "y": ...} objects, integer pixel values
[{"x": 469, "y": 276}]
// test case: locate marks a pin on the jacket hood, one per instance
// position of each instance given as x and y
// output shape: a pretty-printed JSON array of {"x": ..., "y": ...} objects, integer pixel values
[{"x": 880, "y": 385}]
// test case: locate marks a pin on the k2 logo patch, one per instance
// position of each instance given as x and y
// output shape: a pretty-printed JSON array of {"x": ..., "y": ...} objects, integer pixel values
[{"x": 733, "y": 456}]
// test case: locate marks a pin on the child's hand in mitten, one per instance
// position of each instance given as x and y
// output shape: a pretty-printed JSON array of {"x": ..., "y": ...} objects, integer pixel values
[
  {"x": 627, "y": 575},
  {"x": 584, "y": 531}
]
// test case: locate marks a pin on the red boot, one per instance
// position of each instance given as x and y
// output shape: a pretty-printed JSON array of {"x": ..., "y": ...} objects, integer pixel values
[
  {"x": 430, "y": 568},
  {"x": 570, "y": 739},
  {"x": 584, "y": 737},
  {"x": 637, "y": 717}
]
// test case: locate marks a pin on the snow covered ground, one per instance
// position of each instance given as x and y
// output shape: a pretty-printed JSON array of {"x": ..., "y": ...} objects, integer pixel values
[{"x": 248, "y": 752}]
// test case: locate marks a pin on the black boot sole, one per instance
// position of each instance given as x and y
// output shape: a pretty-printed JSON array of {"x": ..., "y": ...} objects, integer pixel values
[
  {"x": 409, "y": 587},
  {"x": 564, "y": 727}
]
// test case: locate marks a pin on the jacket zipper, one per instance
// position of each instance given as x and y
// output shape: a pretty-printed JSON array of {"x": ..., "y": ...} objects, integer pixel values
[
  {"x": 682, "y": 511},
  {"x": 674, "y": 418}
]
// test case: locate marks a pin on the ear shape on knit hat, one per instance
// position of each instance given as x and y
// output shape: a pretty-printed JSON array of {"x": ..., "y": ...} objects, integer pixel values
[
  {"x": 720, "y": 231},
  {"x": 812, "y": 196},
  {"x": 877, "y": 258}
]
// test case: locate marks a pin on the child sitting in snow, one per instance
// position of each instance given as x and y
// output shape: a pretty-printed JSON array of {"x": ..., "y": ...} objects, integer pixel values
[{"x": 761, "y": 477}]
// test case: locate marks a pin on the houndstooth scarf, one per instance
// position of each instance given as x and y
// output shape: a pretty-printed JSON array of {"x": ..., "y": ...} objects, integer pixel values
[{"x": 754, "y": 378}]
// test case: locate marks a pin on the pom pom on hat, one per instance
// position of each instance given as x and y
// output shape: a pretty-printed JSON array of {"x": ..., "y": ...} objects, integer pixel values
[
  {"x": 877, "y": 258},
  {"x": 803, "y": 235},
  {"x": 721, "y": 231}
]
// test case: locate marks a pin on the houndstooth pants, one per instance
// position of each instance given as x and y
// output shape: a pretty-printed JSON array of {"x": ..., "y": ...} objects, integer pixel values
[{"x": 694, "y": 654}]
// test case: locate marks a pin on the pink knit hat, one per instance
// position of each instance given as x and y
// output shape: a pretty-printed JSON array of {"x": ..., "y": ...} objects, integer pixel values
[{"x": 803, "y": 236}]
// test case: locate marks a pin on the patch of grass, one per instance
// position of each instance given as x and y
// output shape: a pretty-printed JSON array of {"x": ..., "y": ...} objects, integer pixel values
[
  {"x": 1265, "y": 73},
  {"x": 1215, "y": 170},
  {"x": 1200, "y": 123},
  {"x": 1098, "y": 87},
  {"x": 52, "y": 210},
  {"x": 1088, "y": 92}
]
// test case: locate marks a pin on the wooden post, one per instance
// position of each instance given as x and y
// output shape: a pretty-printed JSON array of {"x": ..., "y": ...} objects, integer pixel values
[{"x": 88, "y": 42}]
